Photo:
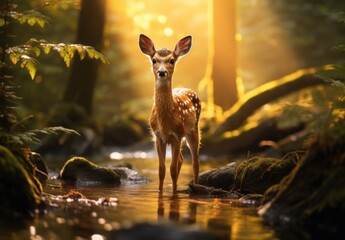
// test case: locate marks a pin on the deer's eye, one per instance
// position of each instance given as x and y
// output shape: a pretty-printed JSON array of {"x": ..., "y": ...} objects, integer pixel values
[
  {"x": 172, "y": 61},
  {"x": 154, "y": 61}
]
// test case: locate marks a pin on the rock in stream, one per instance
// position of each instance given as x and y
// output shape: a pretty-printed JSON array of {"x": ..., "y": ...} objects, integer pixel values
[{"x": 79, "y": 170}]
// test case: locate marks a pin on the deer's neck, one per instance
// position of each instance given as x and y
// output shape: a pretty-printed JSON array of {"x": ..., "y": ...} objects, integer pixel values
[{"x": 164, "y": 102}]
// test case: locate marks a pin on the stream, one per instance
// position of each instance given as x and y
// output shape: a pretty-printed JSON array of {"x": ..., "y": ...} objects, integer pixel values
[{"x": 131, "y": 204}]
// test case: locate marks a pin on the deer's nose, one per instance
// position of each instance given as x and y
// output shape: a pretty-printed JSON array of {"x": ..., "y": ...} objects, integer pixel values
[{"x": 162, "y": 73}]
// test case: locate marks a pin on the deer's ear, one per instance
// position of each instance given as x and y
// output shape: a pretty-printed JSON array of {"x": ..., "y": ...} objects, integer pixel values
[
  {"x": 183, "y": 46},
  {"x": 146, "y": 45}
]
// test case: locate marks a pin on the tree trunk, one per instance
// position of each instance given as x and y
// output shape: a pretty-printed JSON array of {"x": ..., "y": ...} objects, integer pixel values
[
  {"x": 82, "y": 81},
  {"x": 248, "y": 139},
  {"x": 224, "y": 63},
  {"x": 266, "y": 93}
]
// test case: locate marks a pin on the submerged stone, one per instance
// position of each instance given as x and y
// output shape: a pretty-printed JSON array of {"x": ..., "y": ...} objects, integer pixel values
[
  {"x": 130, "y": 176},
  {"x": 197, "y": 189},
  {"x": 251, "y": 199}
]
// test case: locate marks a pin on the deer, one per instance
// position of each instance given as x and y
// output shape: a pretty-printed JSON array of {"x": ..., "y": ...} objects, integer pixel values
[{"x": 175, "y": 112}]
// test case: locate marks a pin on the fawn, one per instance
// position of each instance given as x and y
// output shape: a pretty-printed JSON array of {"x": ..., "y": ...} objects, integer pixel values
[{"x": 175, "y": 113}]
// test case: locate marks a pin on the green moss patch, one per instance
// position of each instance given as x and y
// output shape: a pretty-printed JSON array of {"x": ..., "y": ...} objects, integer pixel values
[
  {"x": 20, "y": 191},
  {"x": 257, "y": 174},
  {"x": 81, "y": 170}
]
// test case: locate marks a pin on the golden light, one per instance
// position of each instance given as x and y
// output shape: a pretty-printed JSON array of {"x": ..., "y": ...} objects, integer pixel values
[
  {"x": 168, "y": 31},
  {"x": 165, "y": 24}
]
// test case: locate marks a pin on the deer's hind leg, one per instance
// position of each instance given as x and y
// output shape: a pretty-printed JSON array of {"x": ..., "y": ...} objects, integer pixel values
[{"x": 193, "y": 144}]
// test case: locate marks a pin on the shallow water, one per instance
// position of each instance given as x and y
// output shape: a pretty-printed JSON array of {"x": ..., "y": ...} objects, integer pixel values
[{"x": 130, "y": 204}]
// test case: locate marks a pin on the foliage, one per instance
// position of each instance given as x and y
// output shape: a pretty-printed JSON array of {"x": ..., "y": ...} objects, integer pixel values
[
  {"x": 26, "y": 56},
  {"x": 324, "y": 109},
  {"x": 30, "y": 17},
  {"x": 297, "y": 34}
]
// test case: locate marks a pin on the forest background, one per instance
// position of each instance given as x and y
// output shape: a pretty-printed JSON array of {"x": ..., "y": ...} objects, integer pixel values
[{"x": 273, "y": 38}]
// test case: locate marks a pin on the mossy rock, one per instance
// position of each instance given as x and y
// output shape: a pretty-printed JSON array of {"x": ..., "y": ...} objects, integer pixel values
[
  {"x": 79, "y": 170},
  {"x": 20, "y": 192},
  {"x": 257, "y": 174},
  {"x": 222, "y": 178}
]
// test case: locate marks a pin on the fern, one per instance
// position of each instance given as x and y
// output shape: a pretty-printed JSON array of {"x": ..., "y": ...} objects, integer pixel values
[{"x": 15, "y": 140}]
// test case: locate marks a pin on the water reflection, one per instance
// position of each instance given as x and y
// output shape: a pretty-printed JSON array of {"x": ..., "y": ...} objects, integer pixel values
[
  {"x": 138, "y": 204},
  {"x": 174, "y": 212}
]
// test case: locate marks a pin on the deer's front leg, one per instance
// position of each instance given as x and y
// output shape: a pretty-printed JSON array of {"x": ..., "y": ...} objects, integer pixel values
[
  {"x": 161, "y": 151},
  {"x": 174, "y": 167}
]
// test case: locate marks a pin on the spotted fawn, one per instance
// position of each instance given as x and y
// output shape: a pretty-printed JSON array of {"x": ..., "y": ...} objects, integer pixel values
[{"x": 175, "y": 113}]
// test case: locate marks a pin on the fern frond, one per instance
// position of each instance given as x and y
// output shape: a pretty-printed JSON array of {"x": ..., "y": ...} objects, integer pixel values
[{"x": 31, "y": 137}]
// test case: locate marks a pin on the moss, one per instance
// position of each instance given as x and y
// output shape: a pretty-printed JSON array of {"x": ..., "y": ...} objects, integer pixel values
[
  {"x": 20, "y": 191},
  {"x": 81, "y": 170},
  {"x": 222, "y": 178},
  {"x": 257, "y": 174}
]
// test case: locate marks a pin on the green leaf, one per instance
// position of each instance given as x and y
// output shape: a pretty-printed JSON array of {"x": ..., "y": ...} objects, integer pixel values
[
  {"x": 90, "y": 52},
  {"x": 41, "y": 23},
  {"x": 37, "y": 51},
  {"x": 30, "y": 66},
  {"x": 14, "y": 58},
  {"x": 46, "y": 49},
  {"x": 81, "y": 52}
]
